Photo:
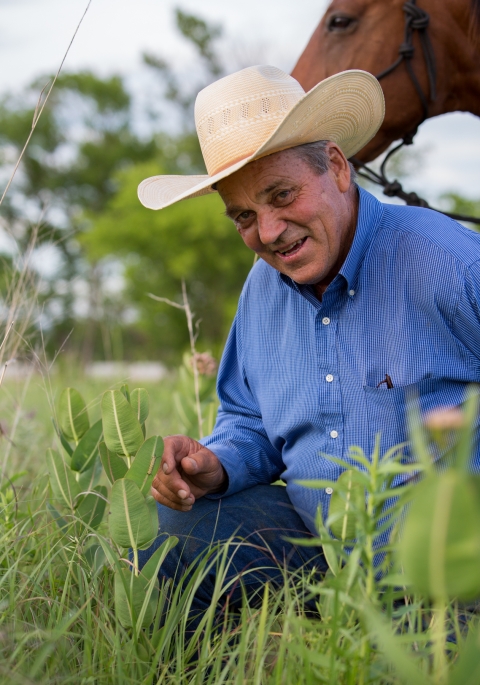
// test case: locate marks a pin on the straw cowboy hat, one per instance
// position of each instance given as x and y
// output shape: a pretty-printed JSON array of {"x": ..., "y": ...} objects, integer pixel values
[{"x": 261, "y": 110}]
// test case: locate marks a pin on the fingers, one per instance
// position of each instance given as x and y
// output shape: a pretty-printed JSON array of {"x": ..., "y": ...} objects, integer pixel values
[
  {"x": 172, "y": 490},
  {"x": 204, "y": 472},
  {"x": 188, "y": 471},
  {"x": 176, "y": 447},
  {"x": 194, "y": 464},
  {"x": 179, "y": 500},
  {"x": 168, "y": 487}
]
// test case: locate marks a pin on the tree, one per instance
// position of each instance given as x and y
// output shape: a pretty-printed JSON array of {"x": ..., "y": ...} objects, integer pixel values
[
  {"x": 75, "y": 191},
  {"x": 458, "y": 204},
  {"x": 84, "y": 136},
  {"x": 192, "y": 240}
]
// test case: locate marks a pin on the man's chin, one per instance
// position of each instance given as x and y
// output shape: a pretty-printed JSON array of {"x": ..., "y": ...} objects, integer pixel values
[
  {"x": 302, "y": 275},
  {"x": 302, "y": 279}
]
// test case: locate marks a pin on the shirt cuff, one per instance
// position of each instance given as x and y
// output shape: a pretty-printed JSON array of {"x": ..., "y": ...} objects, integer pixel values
[{"x": 237, "y": 473}]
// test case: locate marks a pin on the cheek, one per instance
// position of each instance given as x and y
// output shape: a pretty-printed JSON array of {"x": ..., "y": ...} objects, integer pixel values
[{"x": 251, "y": 240}]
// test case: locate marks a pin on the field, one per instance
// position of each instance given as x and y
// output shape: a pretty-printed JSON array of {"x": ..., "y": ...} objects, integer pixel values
[{"x": 61, "y": 621}]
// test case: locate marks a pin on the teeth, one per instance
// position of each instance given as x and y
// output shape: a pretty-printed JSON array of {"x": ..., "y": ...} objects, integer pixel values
[{"x": 291, "y": 246}]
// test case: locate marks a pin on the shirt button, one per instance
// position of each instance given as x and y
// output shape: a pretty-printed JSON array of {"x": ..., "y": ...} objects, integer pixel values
[
  {"x": 325, "y": 320},
  {"x": 329, "y": 491},
  {"x": 333, "y": 434},
  {"x": 329, "y": 378},
  {"x": 351, "y": 293}
]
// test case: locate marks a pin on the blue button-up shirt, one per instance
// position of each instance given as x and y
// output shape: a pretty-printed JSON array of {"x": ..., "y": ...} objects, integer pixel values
[{"x": 299, "y": 377}]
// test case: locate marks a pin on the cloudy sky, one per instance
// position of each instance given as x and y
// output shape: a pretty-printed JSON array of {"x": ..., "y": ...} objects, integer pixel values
[{"x": 34, "y": 35}]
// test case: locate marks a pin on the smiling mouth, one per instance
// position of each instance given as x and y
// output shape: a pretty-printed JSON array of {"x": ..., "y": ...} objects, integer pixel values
[{"x": 292, "y": 249}]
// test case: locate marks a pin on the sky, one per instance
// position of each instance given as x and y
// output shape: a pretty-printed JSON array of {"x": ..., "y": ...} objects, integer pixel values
[{"x": 34, "y": 35}]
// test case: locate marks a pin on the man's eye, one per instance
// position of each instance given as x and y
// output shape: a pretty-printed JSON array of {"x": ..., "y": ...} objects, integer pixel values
[
  {"x": 243, "y": 216},
  {"x": 283, "y": 195}
]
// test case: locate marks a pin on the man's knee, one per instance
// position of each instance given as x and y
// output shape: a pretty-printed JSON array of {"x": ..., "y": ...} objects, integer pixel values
[
  {"x": 258, "y": 519},
  {"x": 193, "y": 530}
]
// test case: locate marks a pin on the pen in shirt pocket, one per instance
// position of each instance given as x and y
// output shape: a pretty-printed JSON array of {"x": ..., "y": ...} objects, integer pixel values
[{"x": 388, "y": 382}]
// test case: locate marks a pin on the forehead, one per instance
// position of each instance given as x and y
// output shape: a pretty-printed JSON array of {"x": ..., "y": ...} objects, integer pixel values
[{"x": 263, "y": 175}]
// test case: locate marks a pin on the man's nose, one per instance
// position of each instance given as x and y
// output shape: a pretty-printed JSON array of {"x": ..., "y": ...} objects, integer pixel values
[{"x": 270, "y": 226}]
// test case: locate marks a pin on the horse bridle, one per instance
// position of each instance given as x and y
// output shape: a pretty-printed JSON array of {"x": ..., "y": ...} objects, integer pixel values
[{"x": 416, "y": 19}]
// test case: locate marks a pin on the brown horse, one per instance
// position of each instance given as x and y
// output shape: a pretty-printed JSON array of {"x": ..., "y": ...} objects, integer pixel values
[{"x": 367, "y": 34}]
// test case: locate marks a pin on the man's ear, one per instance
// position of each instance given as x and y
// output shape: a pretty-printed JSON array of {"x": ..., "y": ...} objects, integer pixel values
[{"x": 339, "y": 167}]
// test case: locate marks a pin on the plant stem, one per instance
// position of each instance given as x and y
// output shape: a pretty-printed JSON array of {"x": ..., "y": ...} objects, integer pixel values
[
  {"x": 135, "y": 561},
  {"x": 193, "y": 338},
  {"x": 438, "y": 633},
  {"x": 370, "y": 585}
]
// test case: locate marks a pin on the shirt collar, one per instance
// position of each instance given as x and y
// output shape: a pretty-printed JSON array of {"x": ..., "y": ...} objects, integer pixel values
[{"x": 370, "y": 211}]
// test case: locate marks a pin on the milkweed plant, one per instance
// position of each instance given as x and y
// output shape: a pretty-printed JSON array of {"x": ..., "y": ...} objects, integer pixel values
[
  {"x": 402, "y": 542},
  {"x": 117, "y": 444}
]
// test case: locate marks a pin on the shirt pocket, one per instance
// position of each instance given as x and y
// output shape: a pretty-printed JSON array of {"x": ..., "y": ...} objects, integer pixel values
[{"x": 387, "y": 408}]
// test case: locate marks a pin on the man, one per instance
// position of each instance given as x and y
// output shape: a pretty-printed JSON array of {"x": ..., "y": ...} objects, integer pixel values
[{"x": 353, "y": 306}]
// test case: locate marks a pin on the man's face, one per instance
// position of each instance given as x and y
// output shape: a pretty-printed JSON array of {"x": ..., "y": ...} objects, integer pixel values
[{"x": 300, "y": 223}]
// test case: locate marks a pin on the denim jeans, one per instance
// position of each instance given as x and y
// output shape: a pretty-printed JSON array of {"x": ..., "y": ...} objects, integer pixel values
[{"x": 255, "y": 522}]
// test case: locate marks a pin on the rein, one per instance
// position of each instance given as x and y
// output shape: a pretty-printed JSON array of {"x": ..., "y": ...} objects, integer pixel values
[{"x": 416, "y": 19}]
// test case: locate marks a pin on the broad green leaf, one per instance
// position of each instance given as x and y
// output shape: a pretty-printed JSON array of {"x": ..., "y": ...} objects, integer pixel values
[
  {"x": 330, "y": 557},
  {"x": 65, "y": 444},
  {"x": 130, "y": 520},
  {"x": 87, "y": 449},
  {"x": 440, "y": 547},
  {"x": 146, "y": 463},
  {"x": 95, "y": 557},
  {"x": 125, "y": 392},
  {"x": 152, "y": 567},
  {"x": 91, "y": 507},
  {"x": 73, "y": 415},
  {"x": 132, "y": 593},
  {"x": 141, "y": 404},
  {"x": 114, "y": 466},
  {"x": 59, "y": 520},
  {"x": 140, "y": 595},
  {"x": 64, "y": 486},
  {"x": 89, "y": 479},
  {"x": 153, "y": 511},
  {"x": 121, "y": 429},
  {"x": 110, "y": 552},
  {"x": 347, "y": 500}
]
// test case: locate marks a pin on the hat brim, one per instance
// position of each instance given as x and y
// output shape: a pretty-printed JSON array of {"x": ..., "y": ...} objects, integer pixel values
[{"x": 346, "y": 108}]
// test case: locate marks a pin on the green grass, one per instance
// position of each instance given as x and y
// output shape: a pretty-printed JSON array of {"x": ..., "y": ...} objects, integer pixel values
[{"x": 57, "y": 615}]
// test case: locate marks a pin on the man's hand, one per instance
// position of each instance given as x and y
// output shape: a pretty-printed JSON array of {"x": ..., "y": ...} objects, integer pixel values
[{"x": 188, "y": 471}]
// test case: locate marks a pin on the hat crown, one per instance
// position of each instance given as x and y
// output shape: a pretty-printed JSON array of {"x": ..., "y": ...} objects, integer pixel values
[{"x": 236, "y": 114}]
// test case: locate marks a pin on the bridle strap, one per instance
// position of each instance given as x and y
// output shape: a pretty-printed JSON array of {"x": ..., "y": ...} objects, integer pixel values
[{"x": 416, "y": 19}]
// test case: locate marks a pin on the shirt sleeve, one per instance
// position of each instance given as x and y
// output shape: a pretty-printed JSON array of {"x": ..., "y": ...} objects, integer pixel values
[
  {"x": 466, "y": 325},
  {"x": 239, "y": 438}
]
